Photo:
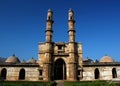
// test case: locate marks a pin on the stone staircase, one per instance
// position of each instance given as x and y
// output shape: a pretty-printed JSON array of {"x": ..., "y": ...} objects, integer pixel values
[{"x": 59, "y": 83}]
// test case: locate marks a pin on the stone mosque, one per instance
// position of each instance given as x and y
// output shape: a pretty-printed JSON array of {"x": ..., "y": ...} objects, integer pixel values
[{"x": 59, "y": 60}]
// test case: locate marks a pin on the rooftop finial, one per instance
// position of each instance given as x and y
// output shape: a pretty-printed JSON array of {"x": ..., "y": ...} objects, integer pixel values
[
  {"x": 32, "y": 58},
  {"x": 106, "y": 55},
  {"x": 70, "y": 10},
  {"x": 13, "y": 55},
  {"x": 49, "y": 9}
]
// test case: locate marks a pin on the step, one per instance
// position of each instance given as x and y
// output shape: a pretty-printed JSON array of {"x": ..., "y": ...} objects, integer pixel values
[{"x": 59, "y": 83}]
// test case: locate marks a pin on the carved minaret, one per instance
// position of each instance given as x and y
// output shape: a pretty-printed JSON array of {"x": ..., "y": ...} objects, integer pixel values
[
  {"x": 71, "y": 22},
  {"x": 71, "y": 34},
  {"x": 48, "y": 49},
  {"x": 49, "y": 23}
]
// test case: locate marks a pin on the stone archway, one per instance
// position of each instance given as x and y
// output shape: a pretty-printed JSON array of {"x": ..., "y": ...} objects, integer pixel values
[
  {"x": 59, "y": 70},
  {"x": 114, "y": 73},
  {"x": 97, "y": 73},
  {"x": 3, "y": 74},
  {"x": 22, "y": 74}
]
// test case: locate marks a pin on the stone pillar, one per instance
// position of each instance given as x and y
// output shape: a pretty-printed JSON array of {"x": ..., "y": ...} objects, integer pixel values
[{"x": 47, "y": 71}]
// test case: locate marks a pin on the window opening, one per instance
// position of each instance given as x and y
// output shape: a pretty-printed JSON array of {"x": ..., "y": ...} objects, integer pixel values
[
  {"x": 40, "y": 72},
  {"x": 59, "y": 47}
]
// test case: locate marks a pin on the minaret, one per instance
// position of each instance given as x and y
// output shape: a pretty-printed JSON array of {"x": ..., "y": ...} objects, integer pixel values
[
  {"x": 71, "y": 34},
  {"x": 48, "y": 47},
  {"x": 71, "y": 22},
  {"x": 49, "y": 23}
]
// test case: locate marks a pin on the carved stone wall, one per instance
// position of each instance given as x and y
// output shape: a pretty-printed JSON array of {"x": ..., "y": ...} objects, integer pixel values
[
  {"x": 105, "y": 72},
  {"x": 12, "y": 73}
]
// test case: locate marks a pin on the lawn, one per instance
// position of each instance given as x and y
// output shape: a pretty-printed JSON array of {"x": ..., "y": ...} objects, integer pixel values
[
  {"x": 90, "y": 83},
  {"x": 26, "y": 83},
  {"x": 52, "y": 83}
]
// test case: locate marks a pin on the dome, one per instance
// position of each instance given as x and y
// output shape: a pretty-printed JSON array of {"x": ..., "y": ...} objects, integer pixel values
[
  {"x": 32, "y": 60},
  {"x": 12, "y": 59},
  {"x": 87, "y": 59},
  {"x": 23, "y": 61},
  {"x": 106, "y": 58}
]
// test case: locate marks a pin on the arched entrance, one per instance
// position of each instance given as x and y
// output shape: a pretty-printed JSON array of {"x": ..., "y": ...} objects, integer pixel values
[
  {"x": 3, "y": 73},
  {"x": 22, "y": 74},
  {"x": 59, "y": 70},
  {"x": 96, "y": 73},
  {"x": 114, "y": 73}
]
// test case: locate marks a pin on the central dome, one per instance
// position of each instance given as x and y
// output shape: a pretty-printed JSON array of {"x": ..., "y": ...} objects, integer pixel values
[
  {"x": 12, "y": 59},
  {"x": 106, "y": 58}
]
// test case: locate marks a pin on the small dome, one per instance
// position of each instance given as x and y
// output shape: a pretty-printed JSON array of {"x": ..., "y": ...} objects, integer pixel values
[
  {"x": 12, "y": 59},
  {"x": 106, "y": 58},
  {"x": 32, "y": 60},
  {"x": 23, "y": 61},
  {"x": 87, "y": 59}
]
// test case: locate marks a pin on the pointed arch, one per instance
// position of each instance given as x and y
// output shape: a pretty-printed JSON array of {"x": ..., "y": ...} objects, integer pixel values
[
  {"x": 59, "y": 69},
  {"x": 3, "y": 73},
  {"x": 96, "y": 73},
  {"x": 22, "y": 74},
  {"x": 114, "y": 73}
]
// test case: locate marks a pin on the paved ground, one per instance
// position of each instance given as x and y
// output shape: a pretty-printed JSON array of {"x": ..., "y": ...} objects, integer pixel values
[{"x": 59, "y": 83}]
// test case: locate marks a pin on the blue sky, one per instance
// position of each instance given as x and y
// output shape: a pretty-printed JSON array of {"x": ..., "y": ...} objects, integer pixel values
[{"x": 22, "y": 26}]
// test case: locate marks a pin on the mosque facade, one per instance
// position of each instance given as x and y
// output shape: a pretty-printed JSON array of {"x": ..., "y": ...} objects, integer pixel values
[{"x": 59, "y": 60}]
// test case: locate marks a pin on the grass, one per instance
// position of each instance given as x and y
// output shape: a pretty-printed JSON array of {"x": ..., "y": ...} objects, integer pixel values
[
  {"x": 52, "y": 83},
  {"x": 26, "y": 83},
  {"x": 90, "y": 83}
]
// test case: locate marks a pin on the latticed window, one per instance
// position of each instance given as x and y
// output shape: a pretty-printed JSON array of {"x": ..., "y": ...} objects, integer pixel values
[{"x": 59, "y": 47}]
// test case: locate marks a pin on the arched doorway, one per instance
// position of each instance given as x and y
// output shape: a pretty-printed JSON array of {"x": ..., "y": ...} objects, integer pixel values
[
  {"x": 3, "y": 73},
  {"x": 22, "y": 74},
  {"x": 59, "y": 70},
  {"x": 114, "y": 73},
  {"x": 97, "y": 73}
]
